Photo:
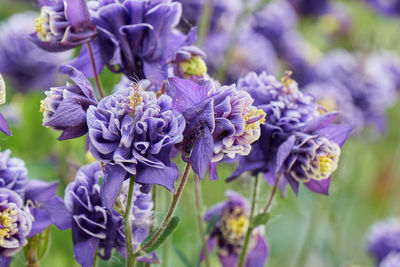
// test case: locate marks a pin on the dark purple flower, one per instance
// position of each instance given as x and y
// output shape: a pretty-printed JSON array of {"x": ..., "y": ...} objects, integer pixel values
[
  {"x": 391, "y": 8},
  {"x": 383, "y": 238},
  {"x": 13, "y": 173},
  {"x": 15, "y": 221},
  {"x": 3, "y": 123},
  {"x": 23, "y": 64},
  {"x": 391, "y": 260},
  {"x": 310, "y": 7},
  {"x": 133, "y": 132},
  {"x": 229, "y": 231},
  {"x": 62, "y": 25},
  {"x": 64, "y": 108},
  {"x": 219, "y": 121},
  {"x": 296, "y": 141},
  {"x": 138, "y": 38}
]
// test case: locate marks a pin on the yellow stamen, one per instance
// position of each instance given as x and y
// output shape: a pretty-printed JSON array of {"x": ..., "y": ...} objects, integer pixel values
[
  {"x": 42, "y": 106},
  {"x": 238, "y": 226},
  {"x": 135, "y": 98},
  {"x": 6, "y": 222},
  {"x": 254, "y": 113},
  {"x": 287, "y": 80},
  {"x": 325, "y": 164}
]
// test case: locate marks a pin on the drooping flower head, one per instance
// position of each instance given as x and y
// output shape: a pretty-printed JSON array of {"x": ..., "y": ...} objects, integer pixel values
[
  {"x": 230, "y": 229},
  {"x": 296, "y": 142},
  {"x": 23, "y": 64},
  {"x": 133, "y": 132},
  {"x": 62, "y": 25},
  {"x": 220, "y": 121},
  {"x": 15, "y": 222},
  {"x": 383, "y": 238},
  {"x": 136, "y": 37},
  {"x": 3, "y": 123},
  {"x": 64, "y": 108}
]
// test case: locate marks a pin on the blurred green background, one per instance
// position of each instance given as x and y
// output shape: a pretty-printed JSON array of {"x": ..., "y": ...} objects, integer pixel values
[{"x": 308, "y": 230}]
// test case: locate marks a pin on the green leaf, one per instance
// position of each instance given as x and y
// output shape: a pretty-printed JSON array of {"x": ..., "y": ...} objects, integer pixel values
[
  {"x": 260, "y": 219},
  {"x": 212, "y": 223},
  {"x": 164, "y": 235},
  {"x": 185, "y": 260}
]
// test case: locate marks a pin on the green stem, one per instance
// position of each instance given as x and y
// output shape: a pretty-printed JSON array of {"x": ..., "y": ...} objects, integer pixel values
[
  {"x": 170, "y": 212},
  {"x": 96, "y": 75},
  {"x": 199, "y": 207},
  {"x": 204, "y": 23},
  {"x": 152, "y": 226},
  {"x": 95, "y": 260},
  {"x": 250, "y": 228},
  {"x": 271, "y": 197},
  {"x": 131, "y": 262}
]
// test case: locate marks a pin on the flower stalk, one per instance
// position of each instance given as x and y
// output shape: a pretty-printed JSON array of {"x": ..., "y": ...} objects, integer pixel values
[
  {"x": 271, "y": 197},
  {"x": 96, "y": 75},
  {"x": 131, "y": 262},
  {"x": 170, "y": 212},
  {"x": 199, "y": 205},
  {"x": 250, "y": 228}
]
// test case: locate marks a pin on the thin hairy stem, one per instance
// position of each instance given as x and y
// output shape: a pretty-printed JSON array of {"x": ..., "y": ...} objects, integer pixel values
[
  {"x": 271, "y": 197},
  {"x": 96, "y": 75},
  {"x": 250, "y": 228},
  {"x": 131, "y": 262},
  {"x": 199, "y": 207},
  {"x": 171, "y": 210}
]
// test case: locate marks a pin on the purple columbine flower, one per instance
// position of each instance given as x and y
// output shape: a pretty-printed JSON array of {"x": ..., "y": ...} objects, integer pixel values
[
  {"x": 391, "y": 260},
  {"x": 133, "y": 132},
  {"x": 13, "y": 173},
  {"x": 383, "y": 238},
  {"x": 62, "y": 25},
  {"x": 389, "y": 8},
  {"x": 23, "y": 64},
  {"x": 229, "y": 231},
  {"x": 296, "y": 141},
  {"x": 138, "y": 38},
  {"x": 64, "y": 108},
  {"x": 219, "y": 121},
  {"x": 3, "y": 123},
  {"x": 16, "y": 223}
]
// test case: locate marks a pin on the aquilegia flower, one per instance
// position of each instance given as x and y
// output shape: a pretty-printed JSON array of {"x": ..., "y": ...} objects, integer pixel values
[
  {"x": 296, "y": 141},
  {"x": 133, "y": 132},
  {"x": 136, "y": 37},
  {"x": 220, "y": 121},
  {"x": 23, "y": 64},
  {"x": 383, "y": 239},
  {"x": 62, "y": 25},
  {"x": 16, "y": 223},
  {"x": 64, "y": 108},
  {"x": 3, "y": 123},
  {"x": 13, "y": 173},
  {"x": 230, "y": 229}
]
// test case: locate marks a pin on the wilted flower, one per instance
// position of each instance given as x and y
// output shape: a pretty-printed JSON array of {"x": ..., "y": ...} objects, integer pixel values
[
  {"x": 220, "y": 121},
  {"x": 21, "y": 62},
  {"x": 133, "y": 132},
  {"x": 138, "y": 38},
  {"x": 296, "y": 141},
  {"x": 230, "y": 229},
  {"x": 16, "y": 223},
  {"x": 383, "y": 238},
  {"x": 64, "y": 108},
  {"x": 62, "y": 25}
]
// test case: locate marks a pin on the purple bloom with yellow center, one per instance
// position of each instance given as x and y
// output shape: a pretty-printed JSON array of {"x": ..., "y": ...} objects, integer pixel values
[
  {"x": 383, "y": 239},
  {"x": 133, "y": 132},
  {"x": 296, "y": 141},
  {"x": 22, "y": 63},
  {"x": 230, "y": 229},
  {"x": 62, "y": 25},
  {"x": 64, "y": 108},
  {"x": 220, "y": 121},
  {"x": 136, "y": 37}
]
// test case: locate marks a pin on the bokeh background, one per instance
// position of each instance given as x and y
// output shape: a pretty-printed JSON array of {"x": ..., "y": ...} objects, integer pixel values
[{"x": 308, "y": 230}]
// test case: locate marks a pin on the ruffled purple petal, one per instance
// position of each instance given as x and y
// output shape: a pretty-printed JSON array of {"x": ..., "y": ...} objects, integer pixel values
[
  {"x": 202, "y": 153},
  {"x": 114, "y": 176}
]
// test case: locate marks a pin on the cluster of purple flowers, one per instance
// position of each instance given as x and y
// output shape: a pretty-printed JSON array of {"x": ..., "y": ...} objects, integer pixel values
[
  {"x": 383, "y": 242},
  {"x": 23, "y": 212}
]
